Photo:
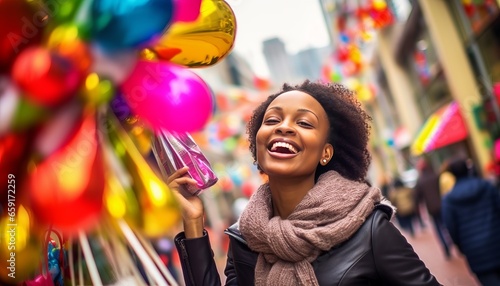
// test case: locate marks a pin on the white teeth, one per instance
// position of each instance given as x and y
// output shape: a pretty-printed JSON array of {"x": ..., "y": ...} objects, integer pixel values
[{"x": 284, "y": 145}]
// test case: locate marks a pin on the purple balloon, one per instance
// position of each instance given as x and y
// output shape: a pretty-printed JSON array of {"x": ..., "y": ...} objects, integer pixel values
[
  {"x": 120, "y": 107},
  {"x": 168, "y": 96}
]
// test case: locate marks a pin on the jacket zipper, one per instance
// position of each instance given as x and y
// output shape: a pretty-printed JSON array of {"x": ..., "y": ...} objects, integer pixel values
[{"x": 186, "y": 261}]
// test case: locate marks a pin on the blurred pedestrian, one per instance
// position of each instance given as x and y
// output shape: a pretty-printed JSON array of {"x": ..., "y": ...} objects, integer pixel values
[
  {"x": 403, "y": 198},
  {"x": 446, "y": 179},
  {"x": 427, "y": 192},
  {"x": 471, "y": 212},
  {"x": 385, "y": 183}
]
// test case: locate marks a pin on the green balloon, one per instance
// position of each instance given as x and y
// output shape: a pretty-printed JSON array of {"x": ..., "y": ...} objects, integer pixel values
[
  {"x": 68, "y": 11},
  {"x": 27, "y": 115}
]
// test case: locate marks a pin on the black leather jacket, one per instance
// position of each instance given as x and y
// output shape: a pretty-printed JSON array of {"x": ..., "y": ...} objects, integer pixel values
[{"x": 377, "y": 254}]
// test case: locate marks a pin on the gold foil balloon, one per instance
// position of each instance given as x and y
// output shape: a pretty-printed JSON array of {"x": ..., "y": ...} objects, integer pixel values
[
  {"x": 19, "y": 250},
  {"x": 160, "y": 210},
  {"x": 200, "y": 43}
]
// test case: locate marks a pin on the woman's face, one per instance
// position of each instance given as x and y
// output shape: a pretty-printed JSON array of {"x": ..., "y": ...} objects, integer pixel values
[{"x": 292, "y": 139}]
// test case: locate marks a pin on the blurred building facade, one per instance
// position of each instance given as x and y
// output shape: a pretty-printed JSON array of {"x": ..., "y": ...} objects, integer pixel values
[
  {"x": 292, "y": 68},
  {"x": 434, "y": 66},
  {"x": 278, "y": 60}
]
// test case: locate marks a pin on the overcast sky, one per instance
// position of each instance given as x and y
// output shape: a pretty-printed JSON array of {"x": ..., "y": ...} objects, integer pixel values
[{"x": 298, "y": 23}]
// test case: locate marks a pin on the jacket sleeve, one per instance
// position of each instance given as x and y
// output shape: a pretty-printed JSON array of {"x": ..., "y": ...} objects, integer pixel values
[
  {"x": 230, "y": 271},
  {"x": 448, "y": 216},
  {"x": 197, "y": 261},
  {"x": 395, "y": 260}
]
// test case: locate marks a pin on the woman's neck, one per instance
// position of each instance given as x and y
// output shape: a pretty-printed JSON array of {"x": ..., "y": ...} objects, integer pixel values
[{"x": 287, "y": 194}]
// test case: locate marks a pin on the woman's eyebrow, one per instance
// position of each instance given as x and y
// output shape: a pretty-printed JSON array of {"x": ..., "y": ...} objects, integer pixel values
[
  {"x": 307, "y": 110},
  {"x": 279, "y": 108}
]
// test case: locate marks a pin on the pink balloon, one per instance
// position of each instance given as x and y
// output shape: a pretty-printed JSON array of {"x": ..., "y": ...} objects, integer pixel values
[
  {"x": 186, "y": 10},
  {"x": 168, "y": 96}
]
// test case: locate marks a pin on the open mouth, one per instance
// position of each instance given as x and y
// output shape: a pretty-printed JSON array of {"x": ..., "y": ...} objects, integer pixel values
[{"x": 283, "y": 148}]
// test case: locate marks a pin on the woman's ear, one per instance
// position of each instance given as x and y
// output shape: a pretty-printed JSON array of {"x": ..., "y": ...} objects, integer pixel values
[{"x": 327, "y": 152}]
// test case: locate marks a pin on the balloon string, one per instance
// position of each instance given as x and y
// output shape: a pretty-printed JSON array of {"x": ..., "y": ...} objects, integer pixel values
[
  {"x": 46, "y": 250},
  {"x": 49, "y": 231},
  {"x": 61, "y": 248}
]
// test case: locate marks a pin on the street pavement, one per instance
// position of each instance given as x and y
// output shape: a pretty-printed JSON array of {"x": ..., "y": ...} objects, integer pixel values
[{"x": 449, "y": 272}]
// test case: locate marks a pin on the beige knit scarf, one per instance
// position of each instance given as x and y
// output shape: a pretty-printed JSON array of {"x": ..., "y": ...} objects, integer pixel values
[{"x": 329, "y": 214}]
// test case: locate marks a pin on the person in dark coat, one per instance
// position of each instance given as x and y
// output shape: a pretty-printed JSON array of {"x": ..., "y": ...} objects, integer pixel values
[
  {"x": 315, "y": 221},
  {"x": 471, "y": 212},
  {"x": 427, "y": 191}
]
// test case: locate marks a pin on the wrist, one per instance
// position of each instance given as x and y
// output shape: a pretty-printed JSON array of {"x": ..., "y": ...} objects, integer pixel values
[{"x": 193, "y": 228}]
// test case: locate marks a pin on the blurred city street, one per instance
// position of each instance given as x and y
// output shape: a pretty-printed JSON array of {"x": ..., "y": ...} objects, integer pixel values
[
  {"x": 103, "y": 103},
  {"x": 449, "y": 272}
]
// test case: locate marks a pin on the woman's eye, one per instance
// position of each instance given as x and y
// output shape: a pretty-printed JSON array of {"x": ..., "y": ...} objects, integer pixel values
[
  {"x": 271, "y": 121},
  {"x": 305, "y": 124}
]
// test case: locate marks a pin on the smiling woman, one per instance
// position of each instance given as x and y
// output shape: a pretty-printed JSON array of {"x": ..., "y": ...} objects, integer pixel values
[
  {"x": 315, "y": 221},
  {"x": 348, "y": 121}
]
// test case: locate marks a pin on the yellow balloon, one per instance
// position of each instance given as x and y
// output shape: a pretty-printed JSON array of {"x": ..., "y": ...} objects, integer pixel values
[
  {"x": 155, "y": 199},
  {"x": 200, "y": 43},
  {"x": 19, "y": 250},
  {"x": 97, "y": 91},
  {"x": 121, "y": 202}
]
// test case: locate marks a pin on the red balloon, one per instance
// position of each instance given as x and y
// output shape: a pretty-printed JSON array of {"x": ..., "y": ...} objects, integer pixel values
[
  {"x": 46, "y": 78},
  {"x": 66, "y": 189},
  {"x": 22, "y": 26},
  {"x": 13, "y": 157}
]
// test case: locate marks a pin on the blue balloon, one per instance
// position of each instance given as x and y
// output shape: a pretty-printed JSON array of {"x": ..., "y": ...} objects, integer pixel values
[
  {"x": 344, "y": 38},
  {"x": 125, "y": 24}
]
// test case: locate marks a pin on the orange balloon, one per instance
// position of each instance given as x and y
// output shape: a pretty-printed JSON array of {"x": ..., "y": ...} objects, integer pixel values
[
  {"x": 66, "y": 42},
  {"x": 200, "y": 43}
]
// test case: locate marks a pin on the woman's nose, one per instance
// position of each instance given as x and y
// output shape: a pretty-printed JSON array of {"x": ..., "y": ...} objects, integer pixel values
[{"x": 284, "y": 128}]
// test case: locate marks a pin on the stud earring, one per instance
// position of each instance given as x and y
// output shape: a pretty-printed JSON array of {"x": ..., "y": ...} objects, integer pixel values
[{"x": 324, "y": 161}]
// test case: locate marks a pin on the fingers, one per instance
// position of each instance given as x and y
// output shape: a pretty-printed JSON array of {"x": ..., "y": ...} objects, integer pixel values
[
  {"x": 180, "y": 177},
  {"x": 185, "y": 180},
  {"x": 177, "y": 174}
]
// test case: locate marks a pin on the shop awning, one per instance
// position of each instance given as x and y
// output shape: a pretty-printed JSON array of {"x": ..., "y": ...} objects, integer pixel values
[{"x": 442, "y": 128}]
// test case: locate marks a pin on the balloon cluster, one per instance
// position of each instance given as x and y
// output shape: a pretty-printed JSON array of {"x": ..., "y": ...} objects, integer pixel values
[
  {"x": 83, "y": 86},
  {"x": 356, "y": 25}
]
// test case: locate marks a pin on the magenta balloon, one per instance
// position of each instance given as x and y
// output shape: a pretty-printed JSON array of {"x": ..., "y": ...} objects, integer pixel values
[
  {"x": 186, "y": 10},
  {"x": 168, "y": 96}
]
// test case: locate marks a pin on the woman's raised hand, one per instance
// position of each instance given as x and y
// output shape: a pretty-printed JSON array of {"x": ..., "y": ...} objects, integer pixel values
[{"x": 192, "y": 206}]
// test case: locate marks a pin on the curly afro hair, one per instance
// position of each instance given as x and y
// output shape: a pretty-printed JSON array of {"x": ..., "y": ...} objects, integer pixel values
[{"x": 349, "y": 127}]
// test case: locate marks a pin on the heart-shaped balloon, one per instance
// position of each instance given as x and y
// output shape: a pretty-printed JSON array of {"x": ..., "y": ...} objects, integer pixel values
[
  {"x": 66, "y": 189},
  {"x": 200, "y": 43}
]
